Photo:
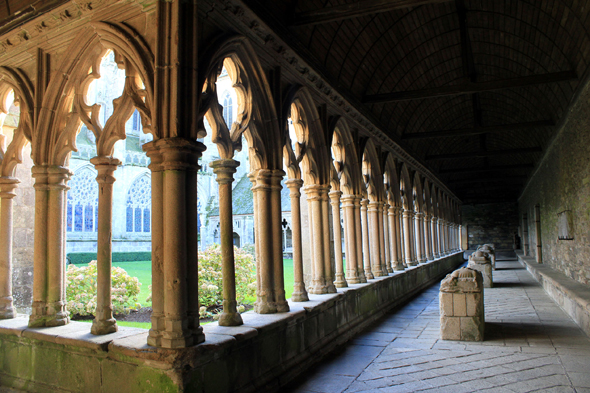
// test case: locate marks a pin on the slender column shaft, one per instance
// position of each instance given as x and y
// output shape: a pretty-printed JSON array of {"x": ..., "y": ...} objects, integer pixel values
[
  {"x": 276, "y": 176},
  {"x": 525, "y": 235},
  {"x": 299, "y": 293},
  {"x": 224, "y": 170},
  {"x": 408, "y": 238},
  {"x": 104, "y": 323},
  {"x": 434, "y": 229},
  {"x": 157, "y": 318},
  {"x": 428, "y": 238},
  {"x": 367, "y": 254},
  {"x": 441, "y": 237},
  {"x": 386, "y": 235},
  {"x": 350, "y": 243},
  {"x": 393, "y": 215},
  {"x": 399, "y": 238},
  {"x": 314, "y": 199},
  {"x": 49, "y": 263},
  {"x": 374, "y": 239},
  {"x": 382, "y": 248},
  {"x": 335, "y": 202},
  {"x": 418, "y": 236},
  {"x": 328, "y": 268},
  {"x": 359, "y": 239},
  {"x": 539, "y": 254},
  {"x": 7, "y": 188}
]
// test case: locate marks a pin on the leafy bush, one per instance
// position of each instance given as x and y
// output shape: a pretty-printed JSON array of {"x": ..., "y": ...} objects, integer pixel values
[
  {"x": 85, "y": 257},
  {"x": 81, "y": 290}
]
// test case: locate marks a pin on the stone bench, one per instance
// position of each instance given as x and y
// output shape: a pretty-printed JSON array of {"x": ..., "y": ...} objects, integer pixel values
[{"x": 461, "y": 306}]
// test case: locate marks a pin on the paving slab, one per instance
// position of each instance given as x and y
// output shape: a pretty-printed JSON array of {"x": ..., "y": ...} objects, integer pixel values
[{"x": 530, "y": 345}]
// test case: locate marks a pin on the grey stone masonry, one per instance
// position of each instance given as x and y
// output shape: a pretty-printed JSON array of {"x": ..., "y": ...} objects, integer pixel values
[
  {"x": 491, "y": 250},
  {"x": 461, "y": 306},
  {"x": 482, "y": 262}
]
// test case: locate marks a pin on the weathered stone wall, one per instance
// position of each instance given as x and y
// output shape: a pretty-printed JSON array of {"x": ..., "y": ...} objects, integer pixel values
[
  {"x": 562, "y": 182},
  {"x": 490, "y": 223}
]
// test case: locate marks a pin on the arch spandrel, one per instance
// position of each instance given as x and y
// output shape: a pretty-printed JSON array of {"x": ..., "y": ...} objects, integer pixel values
[
  {"x": 392, "y": 182},
  {"x": 372, "y": 174},
  {"x": 346, "y": 158},
  {"x": 406, "y": 189},
  {"x": 64, "y": 107},
  {"x": 417, "y": 192},
  {"x": 257, "y": 118}
]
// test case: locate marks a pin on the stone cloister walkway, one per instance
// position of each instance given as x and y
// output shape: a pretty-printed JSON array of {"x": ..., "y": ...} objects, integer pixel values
[{"x": 531, "y": 345}]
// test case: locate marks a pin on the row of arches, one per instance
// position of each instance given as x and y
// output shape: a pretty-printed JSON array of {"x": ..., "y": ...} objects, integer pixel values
[{"x": 393, "y": 216}]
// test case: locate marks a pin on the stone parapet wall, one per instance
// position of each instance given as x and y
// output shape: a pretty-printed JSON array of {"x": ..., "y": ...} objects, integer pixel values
[
  {"x": 493, "y": 223},
  {"x": 264, "y": 354}
]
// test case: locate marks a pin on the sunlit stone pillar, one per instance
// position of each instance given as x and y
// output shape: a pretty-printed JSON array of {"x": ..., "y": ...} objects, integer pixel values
[
  {"x": 350, "y": 238},
  {"x": 7, "y": 187},
  {"x": 340, "y": 281},
  {"x": 224, "y": 170},
  {"x": 428, "y": 237},
  {"x": 328, "y": 268},
  {"x": 434, "y": 230},
  {"x": 316, "y": 228},
  {"x": 104, "y": 322},
  {"x": 174, "y": 239},
  {"x": 367, "y": 255},
  {"x": 276, "y": 177},
  {"x": 441, "y": 237},
  {"x": 386, "y": 231},
  {"x": 299, "y": 293},
  {"x": 395, "y": 238},
  {"x": 382, "y": 246},
  {"x": 359, "y": 234},
  {"x": 48, "y": 307},
  {"x": 419, "y": 238},
  {"x": 375, "y": 239},
  {"x": 408, "y": 218}
]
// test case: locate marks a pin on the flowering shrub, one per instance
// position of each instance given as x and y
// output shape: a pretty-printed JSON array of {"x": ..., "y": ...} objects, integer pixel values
[{"x": 81, "y": 290}]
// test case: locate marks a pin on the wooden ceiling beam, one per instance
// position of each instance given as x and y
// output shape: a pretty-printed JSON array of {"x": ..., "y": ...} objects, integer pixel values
[
  {"x": 355, "y": 10},
  {"x": 452, "y": 171},
  {"x": 482, "y": 154},
  {"x": 530, "y": 125},
  {"x": 471, "y": 87}
]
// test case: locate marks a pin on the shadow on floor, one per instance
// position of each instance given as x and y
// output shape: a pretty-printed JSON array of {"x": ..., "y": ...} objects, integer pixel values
[{"x": 513, "y": 284}]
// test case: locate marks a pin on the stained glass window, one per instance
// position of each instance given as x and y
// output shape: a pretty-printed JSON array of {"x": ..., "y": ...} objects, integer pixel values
[
  {"x": 82, "y": 208},
  {"x": 139, "y": 205}
]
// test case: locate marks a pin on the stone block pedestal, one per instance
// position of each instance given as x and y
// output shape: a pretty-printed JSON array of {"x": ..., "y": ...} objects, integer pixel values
[
  {"x": 482, "y": 262},
  {"x": 461, "y": 306}
]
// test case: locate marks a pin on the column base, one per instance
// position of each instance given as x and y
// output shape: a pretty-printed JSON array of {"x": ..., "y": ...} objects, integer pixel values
[
  {"x": 353, "y": 278},
  {"x": 265, "y": 307},
  {"x": 412, "y": 263},
  {"x": 362, "y": 276},
  {"x": 45, "y": 315},
  {"x": 423, "y": 260},
  {"x": 177, "y": 334},
  {"x": 299, "y": 293},
  {"x": 330, "y": 288},
  {"x": 369, "y": 275},
  {"x": 398, "y": 267},
  {"x": 7, "y": 311},
  {"x": 389, "y": 270},
  {"x": 379, "y": 272},
  {"x": 104, "y": 327},
  {"x": 230, "y": 319},
  {"x": 155, "y": 333},
  {"x": 340, "y": 281},
  {"x": 282, "y": 306}
]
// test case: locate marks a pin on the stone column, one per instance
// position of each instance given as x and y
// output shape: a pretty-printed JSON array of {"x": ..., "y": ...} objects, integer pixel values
[
  {"x": 382, "y": 239},
  {"x": 104, "y": 322},
  {"x": 374, "y": 239},
  {"x": 335, "y": 201},
  {"x": 350, "y": 238},
  {"x": 359, "y": 238},
  {"x": 224, "y": 170},
  {"x": 367, "y": 255},
  {"x": 395, "y": 238},
  {"x": 434, "y": 226},
  {"x": 317, "y": 234},
  {"x": 428, "y": 237},
  {"x": 418, "y": 217},
  {"x": 7, "y": 187},
  {"x": 299, "y": 293},
  {"x": 408, "y": 217},
  {"x": 386, "y": 235},
  {"x": 525, "y": 235},
  {"x": 174, "y": 239},
  {"x": 276, "y": 177},
  {"x": 539, "y": 254},
  {"x": 48, "y": 307},
  {"x": 328, "y": 267},
  {"x": 441, "y": 237}
]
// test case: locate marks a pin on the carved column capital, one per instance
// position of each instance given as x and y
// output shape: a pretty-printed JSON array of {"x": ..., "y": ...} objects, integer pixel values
[
  {"x": 7, "y": 186},
  {"x": 419, "y": 215},
  {"x": 174, "y": 154},
  {"x": 50, "y": 177},
  {"x": 105, "y": 166},
  {"x": 316, "y": 191},
  {"x": 407, "y": 213},
  {"x": 364, "y": 203},
  {"x": 335, "y": 197},
  {"x": 224, "y": 168},
  {"x": 294, "y": 186}
]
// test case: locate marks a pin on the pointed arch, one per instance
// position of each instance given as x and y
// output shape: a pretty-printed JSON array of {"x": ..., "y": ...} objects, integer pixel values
[
  {"x": 417, "y": 192},
  {"x": 427, "y": 197},
  {"x": 392, "y": 182},
  {"x": 434, "y": 199},
  {"x": 405, "y": 185},
  {"x": 345, "y": 157},
  {"x": 54, "y": 134},
  {"x": 257, "y": 118},
  {"x": 372, "y": 173}
]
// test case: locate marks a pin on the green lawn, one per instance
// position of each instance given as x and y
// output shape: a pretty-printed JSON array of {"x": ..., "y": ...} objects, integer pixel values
[
  {"x": 143, "y": 271},
  {"x": 143, "y": 325}
]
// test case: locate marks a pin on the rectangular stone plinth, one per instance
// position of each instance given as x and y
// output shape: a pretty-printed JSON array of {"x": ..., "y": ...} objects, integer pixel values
[
  {"x": 486, "y": 271},
  {"x": 461, "y": 306}
]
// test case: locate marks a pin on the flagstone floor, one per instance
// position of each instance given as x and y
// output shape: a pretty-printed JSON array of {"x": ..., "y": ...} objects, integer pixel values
[{"x": 531, "y": 345}]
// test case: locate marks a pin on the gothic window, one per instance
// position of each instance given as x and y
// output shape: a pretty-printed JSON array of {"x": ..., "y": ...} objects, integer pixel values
[
  {"x": 227, "y": 109},
  {"x": 139, "y": 205},
  {"x": 82, "y": 208}
]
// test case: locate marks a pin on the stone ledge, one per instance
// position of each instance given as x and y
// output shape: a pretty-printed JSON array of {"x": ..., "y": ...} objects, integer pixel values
[
  {"x": 573, "y": 297},
  {"x": 264, "y": 354}
]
